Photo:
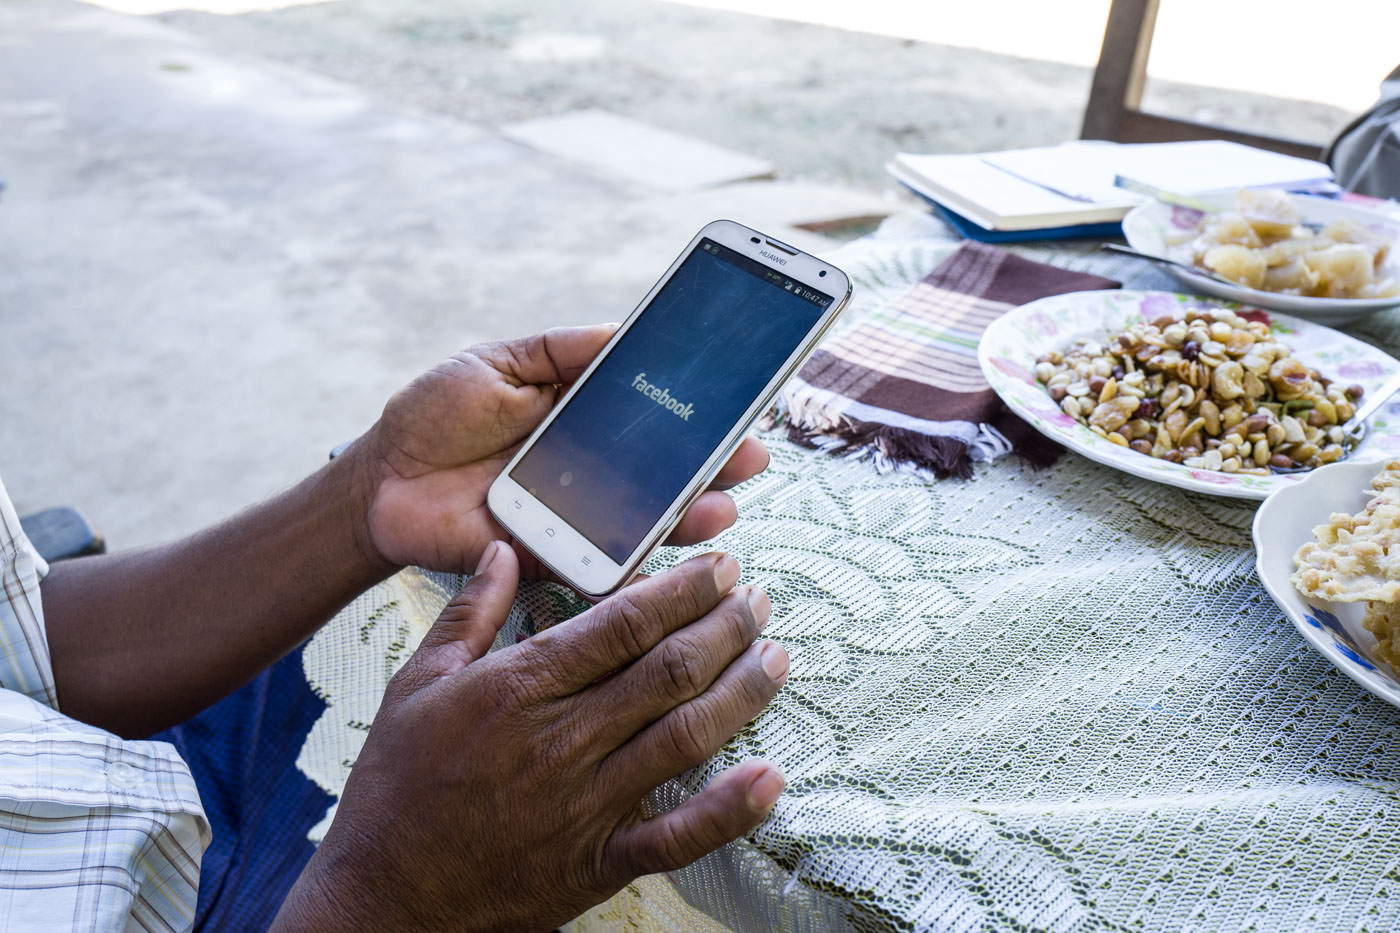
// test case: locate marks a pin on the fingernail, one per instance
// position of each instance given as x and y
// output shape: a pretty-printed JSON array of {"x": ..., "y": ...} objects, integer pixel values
[
  {"x": 774, "y": 660},
  {"x": 488, "y": 557},
  {"x": 764, "y": 791},
  {"x": 761, "y": 606},
  {"x": 726, "y": 573}
]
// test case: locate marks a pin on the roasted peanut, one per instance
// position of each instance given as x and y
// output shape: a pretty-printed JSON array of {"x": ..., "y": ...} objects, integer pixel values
[{"x": 1210, "y": 416}]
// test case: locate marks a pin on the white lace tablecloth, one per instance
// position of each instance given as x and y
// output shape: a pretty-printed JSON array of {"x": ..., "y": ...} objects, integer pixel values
[{"x": 1051, "y": 700}]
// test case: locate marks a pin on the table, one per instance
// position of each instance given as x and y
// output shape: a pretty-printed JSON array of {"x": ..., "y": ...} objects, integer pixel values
[{"x": 1033, "y": 700}]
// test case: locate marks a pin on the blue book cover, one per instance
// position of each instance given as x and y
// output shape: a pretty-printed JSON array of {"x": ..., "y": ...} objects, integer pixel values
[{"x": 974, "y": 231}]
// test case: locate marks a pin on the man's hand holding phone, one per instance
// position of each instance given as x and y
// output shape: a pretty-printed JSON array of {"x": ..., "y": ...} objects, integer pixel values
[
  {"x": 426, "y": 465},
  {"x": 506, "y": 791}
]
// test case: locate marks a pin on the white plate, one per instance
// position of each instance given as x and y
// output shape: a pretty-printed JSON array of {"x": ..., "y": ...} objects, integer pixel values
[
  {"x": 1284, "y": 523},
  {"x": 1157, "y": 228},
  {"x": 1012, "y": 343}
]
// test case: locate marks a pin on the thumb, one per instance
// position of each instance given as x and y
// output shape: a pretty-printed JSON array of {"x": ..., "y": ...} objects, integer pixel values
[{"x": 468, "y": 624}]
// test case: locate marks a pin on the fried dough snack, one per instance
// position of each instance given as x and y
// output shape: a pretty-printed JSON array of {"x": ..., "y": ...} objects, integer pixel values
[
  {"x": 1355, "y": 558},
  {"x": 1264, "y": 244}
]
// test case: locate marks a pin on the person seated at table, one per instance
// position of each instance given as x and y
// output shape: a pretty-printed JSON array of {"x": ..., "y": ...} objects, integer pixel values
[{"x": 500, "y": 791}]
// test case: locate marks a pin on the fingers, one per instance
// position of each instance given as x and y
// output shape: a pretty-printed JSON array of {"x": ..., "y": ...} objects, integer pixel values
[
  {"x": 749, "y": 459},
  {"x": 556, "y": 356},
  {"x": 694, "y": 730},
  {"x": 713, "y": 511},
  {"x": 728, "y": 807},
  {"x": 628, "y": 624},
  {"x": 681, "y": 667},
  {"x": 707, "y": 516},
  {"x": 467, "y": 625}
]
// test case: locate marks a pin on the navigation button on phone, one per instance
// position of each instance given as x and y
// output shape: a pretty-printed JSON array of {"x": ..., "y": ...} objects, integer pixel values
[{"x": 549, "y": 532}]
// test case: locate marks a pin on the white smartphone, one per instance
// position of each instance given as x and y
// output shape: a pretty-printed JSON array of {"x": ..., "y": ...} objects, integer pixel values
[{"x": 641, "y": 433}]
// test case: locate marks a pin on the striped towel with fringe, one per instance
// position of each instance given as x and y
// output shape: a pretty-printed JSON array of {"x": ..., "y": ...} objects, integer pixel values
[{"x": 903, "y": 386}]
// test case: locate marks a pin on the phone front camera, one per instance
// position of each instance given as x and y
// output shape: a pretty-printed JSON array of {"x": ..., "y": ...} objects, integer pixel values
[
  {"x": 753, "y": 239},
  {"x": 822, "y": 273}
]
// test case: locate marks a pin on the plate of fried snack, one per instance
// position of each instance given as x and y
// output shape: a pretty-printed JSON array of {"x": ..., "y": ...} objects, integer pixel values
[
  {"x": 1323, "y": 259},
  {"x": 1328, "y": 552},
  {"x": 1195, "y": 392}
]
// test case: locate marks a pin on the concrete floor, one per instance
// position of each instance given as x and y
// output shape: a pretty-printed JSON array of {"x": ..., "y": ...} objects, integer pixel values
[
  {"x": 821, "y": 103},
  {"x": 217, "y": 267}
]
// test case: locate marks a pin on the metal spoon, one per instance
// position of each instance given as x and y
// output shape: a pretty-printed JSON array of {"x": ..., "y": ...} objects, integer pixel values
[
  {"x": 1164, "y": 261},
  {"x": 1356, "y": 427}
]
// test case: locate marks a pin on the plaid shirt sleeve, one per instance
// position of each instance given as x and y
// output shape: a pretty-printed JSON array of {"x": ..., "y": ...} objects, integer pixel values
[
  {"x": 96, "y": 832},
  {"x": 24, "y": 648}
]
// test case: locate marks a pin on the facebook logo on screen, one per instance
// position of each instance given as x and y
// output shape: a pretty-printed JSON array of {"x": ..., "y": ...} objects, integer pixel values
[
  {"x": 665, "y": 397},
  {"x": 662, "y": 397}
]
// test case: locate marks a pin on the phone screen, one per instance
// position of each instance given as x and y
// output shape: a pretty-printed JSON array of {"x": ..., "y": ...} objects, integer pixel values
[{"x": 666, "y": 395}]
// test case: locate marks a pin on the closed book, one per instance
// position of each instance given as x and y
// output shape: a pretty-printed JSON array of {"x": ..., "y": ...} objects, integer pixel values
[
  {"x": 998, "y": 200},
  {"x": 1078, "y": 183}
]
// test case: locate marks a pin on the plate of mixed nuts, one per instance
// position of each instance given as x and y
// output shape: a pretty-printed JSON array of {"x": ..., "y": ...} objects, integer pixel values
[{"x": 1200, "y": 393}]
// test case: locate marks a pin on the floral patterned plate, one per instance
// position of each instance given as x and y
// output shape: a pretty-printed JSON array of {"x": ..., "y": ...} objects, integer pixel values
[
  {"x": 1283, "y": 524},
  {"x": 1011, "y": 344},
  {"x": 1163, "y": 230}
]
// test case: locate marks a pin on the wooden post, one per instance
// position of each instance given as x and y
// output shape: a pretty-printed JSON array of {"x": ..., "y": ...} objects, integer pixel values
[
  {"x": 1122, "y": 68},
  {"x": 1114, "y": 110}
]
